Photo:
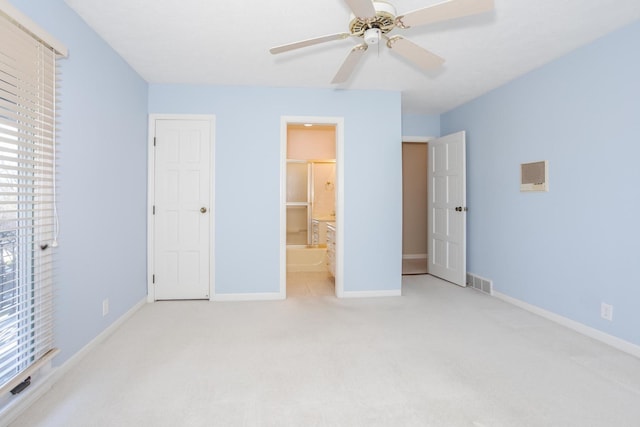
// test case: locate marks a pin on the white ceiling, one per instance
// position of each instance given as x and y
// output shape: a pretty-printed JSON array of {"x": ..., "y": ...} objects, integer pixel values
[{"x": 227, "y": 43}]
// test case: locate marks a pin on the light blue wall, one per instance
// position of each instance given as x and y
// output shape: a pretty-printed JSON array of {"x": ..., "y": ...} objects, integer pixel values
[
  {"x": 247, "y": 179},
  {"x": 421, "y": 125},
  {"x": 102, "y": 180},
  {"x": 577, "y": 245}
]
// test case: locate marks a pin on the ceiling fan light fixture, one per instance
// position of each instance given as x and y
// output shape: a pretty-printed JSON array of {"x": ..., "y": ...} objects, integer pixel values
[{"x": 372, "y": 36}]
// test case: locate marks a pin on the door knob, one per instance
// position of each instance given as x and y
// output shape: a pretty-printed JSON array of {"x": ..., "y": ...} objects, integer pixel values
[{"x": 203, "y": 209}]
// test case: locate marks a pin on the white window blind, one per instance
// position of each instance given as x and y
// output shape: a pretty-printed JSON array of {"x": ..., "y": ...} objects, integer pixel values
[{"x": 27, "y": 200}]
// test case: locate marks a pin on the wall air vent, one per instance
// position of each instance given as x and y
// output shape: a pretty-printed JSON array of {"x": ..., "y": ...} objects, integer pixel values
[
  {"x": 534, "y": 176},
  {"x": 480, "y": 283}
]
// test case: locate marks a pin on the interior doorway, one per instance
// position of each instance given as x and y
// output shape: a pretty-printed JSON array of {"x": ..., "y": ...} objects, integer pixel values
[
  {"x": 311, "y": 207},
  {"x": 414, "y": 208}
]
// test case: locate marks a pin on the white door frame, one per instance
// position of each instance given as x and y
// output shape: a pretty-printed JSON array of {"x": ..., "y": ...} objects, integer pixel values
[
  {"x": 339, "y": 124},
  {"x": 151, "y": 199}
]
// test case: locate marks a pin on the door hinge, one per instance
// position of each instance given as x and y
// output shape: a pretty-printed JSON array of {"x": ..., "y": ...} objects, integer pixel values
[
  {"x": 154, "y": 141},
  {"x": 154, "y": 209},
  {"x": 153, "y": 279}
]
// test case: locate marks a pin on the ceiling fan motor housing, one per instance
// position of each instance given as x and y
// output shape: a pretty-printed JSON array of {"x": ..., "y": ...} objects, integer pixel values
[{"x": 384, "y": 21}]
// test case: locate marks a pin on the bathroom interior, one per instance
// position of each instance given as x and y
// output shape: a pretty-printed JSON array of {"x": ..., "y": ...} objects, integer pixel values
[{"x": 311, "y": 209}]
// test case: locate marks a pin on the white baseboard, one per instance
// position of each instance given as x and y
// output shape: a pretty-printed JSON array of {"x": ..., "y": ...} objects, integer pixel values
[
  {"x": 73, "y": 360},
  {"x": 415, "y": 256},
  {"x": 271, "y": 296},
  {"x": 371, "y": 294},
  {"x": 44, "y": 383},
  {"x": 614, "y": 342}
]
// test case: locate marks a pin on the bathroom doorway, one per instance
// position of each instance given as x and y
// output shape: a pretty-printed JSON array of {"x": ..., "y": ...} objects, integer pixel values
[{"x": 311, "y": 209}]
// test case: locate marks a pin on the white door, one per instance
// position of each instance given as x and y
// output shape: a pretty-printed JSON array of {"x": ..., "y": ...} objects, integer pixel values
[
  {"x": 182, "y": 219},
  {"x": 447, "y": 208}
]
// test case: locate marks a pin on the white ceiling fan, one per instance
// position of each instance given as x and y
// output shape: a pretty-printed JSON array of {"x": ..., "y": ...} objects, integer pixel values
[{"x": 373, "y": 20}]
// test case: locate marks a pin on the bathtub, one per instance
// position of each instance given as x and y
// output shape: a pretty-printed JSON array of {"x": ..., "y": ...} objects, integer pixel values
[{"x": 306, "y": 259}]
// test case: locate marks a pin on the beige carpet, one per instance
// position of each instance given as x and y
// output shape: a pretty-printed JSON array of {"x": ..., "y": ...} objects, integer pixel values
[{"x": 440, "y": 355}]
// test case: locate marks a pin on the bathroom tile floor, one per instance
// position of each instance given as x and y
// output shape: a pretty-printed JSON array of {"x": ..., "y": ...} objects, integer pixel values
[{"x": 310, "y": 284}]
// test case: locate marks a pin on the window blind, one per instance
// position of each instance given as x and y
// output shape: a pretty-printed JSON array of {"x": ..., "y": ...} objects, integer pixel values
[{"x": 27, "y": 200}]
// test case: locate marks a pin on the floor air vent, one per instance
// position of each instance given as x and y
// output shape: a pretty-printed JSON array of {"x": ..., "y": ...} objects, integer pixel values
[{"x": 479, "y": 283}]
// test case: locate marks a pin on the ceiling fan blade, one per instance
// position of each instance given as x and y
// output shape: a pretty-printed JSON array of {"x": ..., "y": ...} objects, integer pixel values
[
  {"x": 350, "y": 63},
  {"x": 309, "y": 42},
  {"x": 412, "y": 52},
  {"x": 444, "y": 11},
  {"x": 361, "y": 8}
]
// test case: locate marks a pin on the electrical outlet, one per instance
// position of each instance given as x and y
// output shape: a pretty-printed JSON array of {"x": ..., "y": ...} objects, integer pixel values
[
  {"x": 606, "y": 311},
  {"x": 105, "y": 306}
]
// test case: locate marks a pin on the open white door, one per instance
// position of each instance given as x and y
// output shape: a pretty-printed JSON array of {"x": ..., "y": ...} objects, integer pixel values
[{"x": 447, "y": 208}]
